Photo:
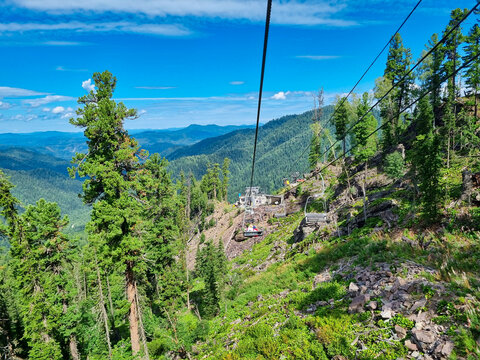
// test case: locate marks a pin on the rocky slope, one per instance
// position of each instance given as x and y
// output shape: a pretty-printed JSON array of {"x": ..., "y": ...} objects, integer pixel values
[{"x": 384, "y": 288}]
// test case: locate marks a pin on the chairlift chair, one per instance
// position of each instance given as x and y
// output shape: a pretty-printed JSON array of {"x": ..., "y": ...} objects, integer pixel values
[
  {"x": 284, "y": 212},
  {"x": 251, "y": 219},
  {"x": 313, "y": 218}
]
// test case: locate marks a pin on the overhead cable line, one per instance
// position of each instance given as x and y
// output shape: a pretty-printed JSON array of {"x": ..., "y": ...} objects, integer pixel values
[
  {"x": 265, "y": 41},
  {"x": 399, "y": 112},
  {"x": 371, "y": 65},
  {"x": 444, "y": 38}
]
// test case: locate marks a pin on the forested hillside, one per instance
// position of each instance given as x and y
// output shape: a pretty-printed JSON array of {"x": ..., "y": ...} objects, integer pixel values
[
  {"x": 38, "y": 176},
  {"x": 281, "y": 143}
]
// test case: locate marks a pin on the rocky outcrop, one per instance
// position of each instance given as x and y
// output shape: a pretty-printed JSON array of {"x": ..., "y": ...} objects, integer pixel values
[{"x": 399, "y": 291}]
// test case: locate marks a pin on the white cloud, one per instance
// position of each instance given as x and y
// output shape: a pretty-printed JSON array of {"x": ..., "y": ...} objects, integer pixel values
[
  {"x": 47, "y": 99},
  {"x": 77, "y": 26},
  {"x": 88, "y": 86},
  {"x": 237, "y": 82},
  {"x": 141, "y": 112},
  {"x": 318, "y": 57},
  {"x": 155, "y": 87},
  {"x": 4, "y": 105},
  {"x": 280, "y": 95},
  {"x": 46, "y": 109},
  {"x": 58, "y": 110},
  {"x": 17, "y": 92},
  {"x": 288, "y": 12}
]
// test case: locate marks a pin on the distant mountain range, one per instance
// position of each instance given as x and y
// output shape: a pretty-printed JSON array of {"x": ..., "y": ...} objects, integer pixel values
[
  {"x": 37, "y": 162},
  {"x": 65, "y": 144}
]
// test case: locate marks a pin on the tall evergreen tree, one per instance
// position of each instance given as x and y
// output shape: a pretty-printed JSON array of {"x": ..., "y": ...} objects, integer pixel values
[
  {"x": 399, "y": 61},
  {"x": 452, "y": 62},
  {"x": 109, "y": 167},
  {"x": 225, "y": 178},
  {"x": 427, "y": 161},
  {"x": 341, "y": 120},
  {"x": 431, "y": 73},
  {"x": 472, "y": 74},
  {"x": 364, "y": 140}
]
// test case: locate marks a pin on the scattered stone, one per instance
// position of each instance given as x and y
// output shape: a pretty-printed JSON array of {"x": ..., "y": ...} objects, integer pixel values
[
  {"x": 259, "y": 297},
  {"x": 322, "y": 277},
  {"x": 411, "y": 346},
  {"x": 447, "y": 348},
  {"x": 401, "y": 332},
  {"x": 386, "y": 314},
  {"x": 358, "y": 303},
  {"x": 386, "y": 311},
  {"x": 418, "y": 304},
  {"x": 353, "y": 287},
  {"x": 423, "y": 336},
  {"x": 372, "y": 305}
]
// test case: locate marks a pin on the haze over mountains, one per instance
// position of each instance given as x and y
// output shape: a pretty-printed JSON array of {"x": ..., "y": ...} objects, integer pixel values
[{"x": 65, "y": 144}]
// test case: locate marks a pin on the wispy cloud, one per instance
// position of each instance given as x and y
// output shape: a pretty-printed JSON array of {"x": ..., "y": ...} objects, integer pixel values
[
  {"x": 237, "y": 82},
  {"x": 77, "y": 26},
  {"x": 289, "y": 12},
  {"x": 63, "y": 68},
  {"x": 155, "y": 87},
  {"x": 47, "y": 100},
  {"x": 62, "y": 43},
  {"x": 318, "y": 57},
  {"x": 11, "y": 92}
]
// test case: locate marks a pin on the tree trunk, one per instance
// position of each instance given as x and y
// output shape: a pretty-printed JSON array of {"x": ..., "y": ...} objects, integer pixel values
[
  {"x": 102, "y": 309},
  {"x": 142, "y": 329},
  {"x": 188, "y": 285},
  {"x": 365, "y": 193},
  {"x": 73, "y": 348},
  {"x": 133, "y": 313}
]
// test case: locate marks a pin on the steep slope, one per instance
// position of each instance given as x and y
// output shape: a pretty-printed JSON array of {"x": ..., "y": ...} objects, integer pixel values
[
  {"x": 280, "y": 144},
  {"x": 38, "y": 176},
  {"x": 385, "y": 289}
]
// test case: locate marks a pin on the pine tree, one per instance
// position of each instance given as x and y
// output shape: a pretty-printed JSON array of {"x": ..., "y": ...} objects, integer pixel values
[
  {"x": 431, "y": 73},
  {"x": 109, "y": 167},
  {"x": 341, "y": 121},
  {"x": 225, "y": 178},
  {"x": 427, "y": 161},
  {"x": 398, "y": 65},
  {"x": 211, "y": 267},
  {"x": 452, "y": 62},
  {"x": 364, "y": 140},
  {"x": 472, "y": 74}
]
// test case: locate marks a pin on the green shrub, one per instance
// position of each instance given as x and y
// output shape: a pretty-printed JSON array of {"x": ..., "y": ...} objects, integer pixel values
[{"x": 394, "y": 165}]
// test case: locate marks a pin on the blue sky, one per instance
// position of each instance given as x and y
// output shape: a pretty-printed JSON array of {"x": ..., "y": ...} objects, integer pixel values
[{"x": 195, "y": 61}]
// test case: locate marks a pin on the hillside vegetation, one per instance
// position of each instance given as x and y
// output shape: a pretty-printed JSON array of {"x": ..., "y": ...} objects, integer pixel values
[{"x": 280, "y": 144}]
